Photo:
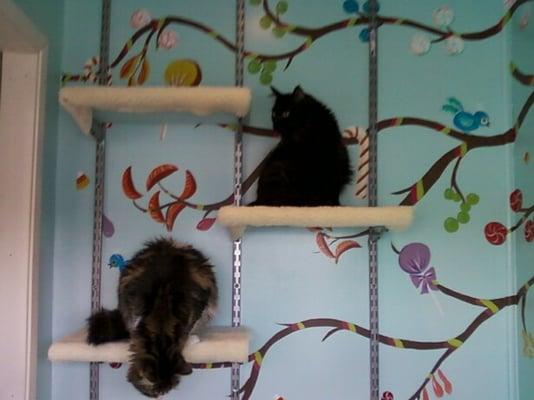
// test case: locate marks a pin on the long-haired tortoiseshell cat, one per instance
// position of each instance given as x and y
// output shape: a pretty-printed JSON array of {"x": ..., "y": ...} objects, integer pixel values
[
  {"x": 166, "y": 290},
  {"x": 310, "y": 165}
]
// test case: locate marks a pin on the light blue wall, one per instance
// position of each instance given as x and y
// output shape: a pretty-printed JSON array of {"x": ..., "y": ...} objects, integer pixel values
[
  {"x": 522, "y": 48},
  {"x": 286, "y": 276},
  {"x": 48, "y": 17}
]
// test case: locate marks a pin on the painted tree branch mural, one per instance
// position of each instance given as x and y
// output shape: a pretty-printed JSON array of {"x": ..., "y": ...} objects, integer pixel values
[
  {"x": 158, "y": 29},
  {"x": 164, "y": 204},
  {"x": 414, "y": 258}
]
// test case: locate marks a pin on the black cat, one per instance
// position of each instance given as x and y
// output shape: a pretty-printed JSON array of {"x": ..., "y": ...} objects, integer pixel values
[
  {"x": 310, "y": 165},
  {"x": 165, "y": 292}
]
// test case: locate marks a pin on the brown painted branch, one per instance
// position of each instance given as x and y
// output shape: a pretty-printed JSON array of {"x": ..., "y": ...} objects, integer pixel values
[
  {"x": 429, "y": 178},
  {"x": 247, "y": 183},
  {"x": 520, "y": 76},
  {"x": 363, "y": 20},
  {"x": 337, "y": 325},
  {"x": 417, "y": 394},
  {"x": 454, "y": 181},
  {"x": 527, "y": 213}
]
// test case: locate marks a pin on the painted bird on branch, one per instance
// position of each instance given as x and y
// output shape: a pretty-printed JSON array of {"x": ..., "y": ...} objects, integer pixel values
[{"x": 464, "y": 120}]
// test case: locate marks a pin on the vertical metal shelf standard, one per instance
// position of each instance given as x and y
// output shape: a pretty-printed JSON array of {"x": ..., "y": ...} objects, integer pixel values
[
  {"x": 238, "y": 179},
  {"x": 99, "y": 133},
  {"x": 374, "y": 232}
]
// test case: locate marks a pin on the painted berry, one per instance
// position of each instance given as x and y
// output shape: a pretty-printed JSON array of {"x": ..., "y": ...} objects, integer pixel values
[
  {"x": 364, "y": 35},
  {"x": 529, "y": 231},
  {"x": 495, "y": 233},
  {"x": 387, "y": 396},
  {"x": 463, "y": 217},
  {"x": 351, "y": 6},
  {"x": 265, "y": 22},
  {"x": 254, "y": 66},
  {"x": 516, "y": 200},
  {"x": 282, "y": 7},
  {"x": 472, "y": 199},
  {"x": 451, "y": 225},
  {"x": 465, "y": 207}
]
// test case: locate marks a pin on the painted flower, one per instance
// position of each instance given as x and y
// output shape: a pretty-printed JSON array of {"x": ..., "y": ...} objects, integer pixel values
[
  {"x": 454, "y": 45},
  {"x": 140, "y": 18},
  {"x": 420, "y": 44},
  {"x": 443, "y": 16},
  {"x": 168, "y": 39},
  {"x": 414, "y": 259}
]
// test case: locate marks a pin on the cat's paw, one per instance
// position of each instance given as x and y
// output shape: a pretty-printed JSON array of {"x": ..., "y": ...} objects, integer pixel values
[{"x": 193, "y": 339}]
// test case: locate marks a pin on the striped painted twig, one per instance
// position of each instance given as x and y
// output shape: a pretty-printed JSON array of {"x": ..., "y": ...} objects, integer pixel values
[{"x": 362, "y": 175}]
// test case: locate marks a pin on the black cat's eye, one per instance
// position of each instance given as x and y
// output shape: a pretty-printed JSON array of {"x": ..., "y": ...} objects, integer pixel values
[{"x": 285, "y": 114}]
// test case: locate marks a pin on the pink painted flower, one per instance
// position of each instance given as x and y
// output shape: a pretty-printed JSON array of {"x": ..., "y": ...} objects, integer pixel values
[
  {"x": 139, "y": 19},
  {"x": 168, "y": 39}
]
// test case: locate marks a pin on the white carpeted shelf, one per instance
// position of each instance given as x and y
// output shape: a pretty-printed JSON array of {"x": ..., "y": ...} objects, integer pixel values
[
  {"x": 82, "y": 102},
  {"x": 216, "y": 344},
  {"x": 236, "y": 219}
]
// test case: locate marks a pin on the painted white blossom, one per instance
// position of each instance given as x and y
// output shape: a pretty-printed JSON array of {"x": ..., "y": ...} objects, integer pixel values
[
  {"x": 168, "y": 39},
  {"x": 420, "y": 44},
  {"x": 140, "y": 18},
  {"x": 454, "y": 45},
  {"x": 443, "y": 16}
]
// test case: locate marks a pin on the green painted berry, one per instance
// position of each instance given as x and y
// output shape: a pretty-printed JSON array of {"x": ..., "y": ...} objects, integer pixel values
[
  {"x": 265, "y": 22},
  {"x": 269, "y": 66},
  {"x": 282, "y": 7},
  {"x": 456, "y": 196},
  {"x": 254, "y": 66},
  {"x": 255, "y": 2},
  {"x": 266, "y": 78},
  {"x": 465, "y": 207},
  {"x": 451, "y": 225},
  {"x": 463, "y": 217},
  {"x": 472, "y": 199},
  {"x": 278, "y": 32},
  {"x": 448, "y": 193}
]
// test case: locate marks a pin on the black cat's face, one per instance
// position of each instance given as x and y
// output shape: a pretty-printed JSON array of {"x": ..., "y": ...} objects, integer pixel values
[
  {"x": 157, "y": 369},
  {"x": 288, "y": 111}
]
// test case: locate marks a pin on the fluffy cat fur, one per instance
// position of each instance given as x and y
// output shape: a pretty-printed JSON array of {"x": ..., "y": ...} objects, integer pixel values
[
  {"x": 310, "y": 165},
  {"x": 165, "y": 292}
]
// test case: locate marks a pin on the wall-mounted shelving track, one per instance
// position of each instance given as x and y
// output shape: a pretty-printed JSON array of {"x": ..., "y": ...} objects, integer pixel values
[{"x": 84, "y": 103}]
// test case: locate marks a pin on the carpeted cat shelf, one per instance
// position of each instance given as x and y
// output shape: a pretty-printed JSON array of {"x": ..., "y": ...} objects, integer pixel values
[
  {"x": 216, "y": 344},
  {"x": 88, "y": 105},
  {"x": 236, "y": 219},
  {"x": 83, "y": 102}
]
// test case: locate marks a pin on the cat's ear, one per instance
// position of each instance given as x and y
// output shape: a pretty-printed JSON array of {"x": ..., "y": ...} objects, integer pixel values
[
  {"x": 276, "y": 93},
  {"x": 298, "y": 93}
]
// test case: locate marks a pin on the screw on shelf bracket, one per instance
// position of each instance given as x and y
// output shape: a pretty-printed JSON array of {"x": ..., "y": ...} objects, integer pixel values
[
  {"x": 97, "y": 130},
  {"x": 376, "y": 232}
]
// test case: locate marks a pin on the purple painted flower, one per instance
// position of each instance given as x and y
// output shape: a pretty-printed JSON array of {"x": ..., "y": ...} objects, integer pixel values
[
  {"x": 414, "y": 259},
  {"x": 168, "y": 39},
  {"x": 139, "y": 19}
]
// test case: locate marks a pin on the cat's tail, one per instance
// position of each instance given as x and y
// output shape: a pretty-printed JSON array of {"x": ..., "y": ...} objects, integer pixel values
[{"x": 106, "y": 326}]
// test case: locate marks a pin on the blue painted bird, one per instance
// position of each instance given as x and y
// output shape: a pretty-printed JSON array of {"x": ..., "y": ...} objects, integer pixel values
[
  {"x": 117, "y": 261},
  {"x": 464, "y": 120}
]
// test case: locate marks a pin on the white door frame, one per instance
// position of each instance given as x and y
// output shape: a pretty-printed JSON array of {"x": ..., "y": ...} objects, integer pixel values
[{"x": 22, "y": 96}]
